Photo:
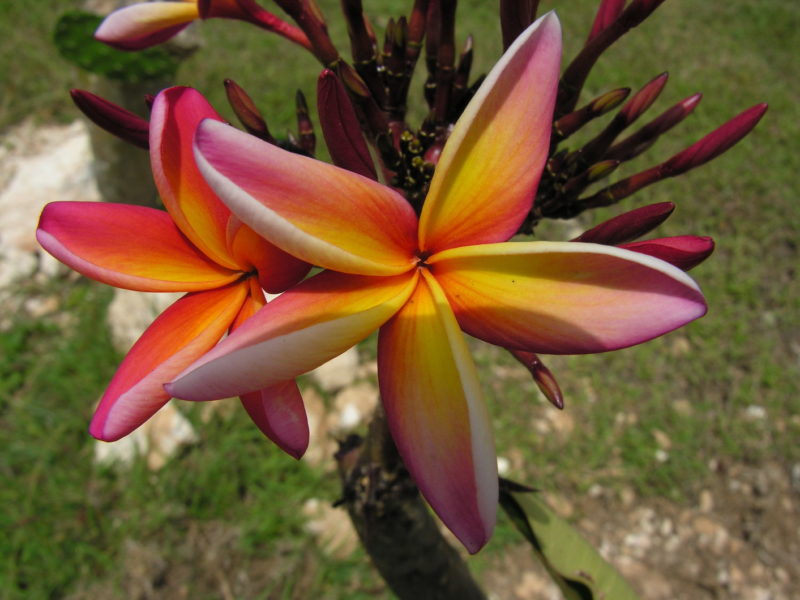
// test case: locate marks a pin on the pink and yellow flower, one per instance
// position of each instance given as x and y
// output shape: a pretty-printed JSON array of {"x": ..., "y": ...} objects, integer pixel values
[
  {"x": 198, "y": 247},
  {"x": 425, "y": 281},
  {"x": 147, "y": 24}
]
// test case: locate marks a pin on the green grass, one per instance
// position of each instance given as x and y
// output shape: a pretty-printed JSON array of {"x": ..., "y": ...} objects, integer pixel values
[{"x": 69, "y": 522}]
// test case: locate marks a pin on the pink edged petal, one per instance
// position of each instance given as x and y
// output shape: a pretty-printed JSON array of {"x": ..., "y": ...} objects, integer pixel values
[
  {"x": 437, "y": 414},
  {"x": 179, "y": 336},
  {"x": 132, "y": 247},
  {"x": 197, "y": 211},
  {"x": 304, "y": 327},
  {"x": 145, "y": 24},
  {"x": 279, "y": 413},
  {"x": 277, "y": 270},
  {"x": 485, "y": 181},
  {"x": 564, "y": 297},
  {"x": 321, "y": 214}
]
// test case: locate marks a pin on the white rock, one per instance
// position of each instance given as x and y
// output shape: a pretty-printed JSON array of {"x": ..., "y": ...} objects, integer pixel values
[
  {"x": 130, "y": 313},
  {"x": 38, "y": 166},
  {"x": 338, "y": 372}
]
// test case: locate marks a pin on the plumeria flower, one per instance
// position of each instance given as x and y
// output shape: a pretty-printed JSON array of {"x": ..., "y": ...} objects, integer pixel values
[
  {"x": 147, "y": 24},
  {"x": 198, "y": 247},
  {"x": 425, "y": 281}
]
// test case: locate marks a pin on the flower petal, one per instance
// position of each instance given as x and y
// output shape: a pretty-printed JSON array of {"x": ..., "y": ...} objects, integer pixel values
[
  {"x": 304, "y": 327},
  {"x": 485, "y": 181},
  {"x": 180, "y": 335},
  {"x": 322, "y": 214},
  {"x": 132, "y": 247},
  {"x": 145, "y": 24},
  {"x": 564, "y": 297},
  {"x": 277, "y": 270},
  {"x": 194, "y": 206},
  {"x": 280, "y": 414},
  {"x": 437, "y": 414}
]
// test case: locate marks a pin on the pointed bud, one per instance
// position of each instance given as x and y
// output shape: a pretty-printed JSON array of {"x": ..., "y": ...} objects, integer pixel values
[
  {"x": 716, "y": 142},
  {"x": 628, "y": 226},
  {"x": 542, "y": 376},
  {"x": 515, "y": 16},
  {"x": 711, "y": 146},
  {"x": 632, "y": 110},
  {"x": 246, "y": 111},
  {"x": 607, "y": 13},
  {"x": 683, "y": 251},
  {"x": 116, "y": 120},
  {"x": 640, "y": 141},
  {"x": 305, "y": 128},
  {"x": 575, "y": 74},
  {"x": 569, "y": 124},
  {"x": 341, "y": 128},
  {"x": 594, "y": 173}
]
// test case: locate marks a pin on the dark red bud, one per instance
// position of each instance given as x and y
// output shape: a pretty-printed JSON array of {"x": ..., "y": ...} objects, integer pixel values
[
  {"x": 569, "y": 124},
  {"x": 683, "y": 251},
  {"x": 607, "y": 13},
  {"x": 116, "y": 120},
  {"x": 305, "y": 128},
  {"x": 716, "y": 142},
  {"x": 246, "y": 111},
  {"x": 628, "y": 226},
  {"x": 542, "y": 376},
  {"x": 340, "y": 127},
  {"x": 640, "y": 141}
]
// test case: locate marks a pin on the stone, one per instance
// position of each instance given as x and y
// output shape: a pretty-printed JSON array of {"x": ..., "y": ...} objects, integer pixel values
[
  {"x": 130, "y": 313},
  {"x": 353, "y": 406},
  {"x": 337, "y": 372},
  {"x": 331, "y": 527}
]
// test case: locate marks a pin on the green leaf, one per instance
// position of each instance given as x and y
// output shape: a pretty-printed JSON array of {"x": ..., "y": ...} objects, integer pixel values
[
  {"x": 571, "y": 561},
  {"x": 74, "y": 38}
]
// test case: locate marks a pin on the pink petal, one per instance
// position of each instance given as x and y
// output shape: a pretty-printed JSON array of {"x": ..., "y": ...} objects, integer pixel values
[
  {"x": 304, "y": 327},
  {"x": 179, "y": 336},
  {"x": 317, "y": 212},
  {"x": 194, "y": 206},
  {"x": 437, "y": 415},
  {"x": 132, "y": 247},
  {"x": 564, "y": 297},
  {"x": 279, "y": 413},
  {"x": 485, "y": 181}
]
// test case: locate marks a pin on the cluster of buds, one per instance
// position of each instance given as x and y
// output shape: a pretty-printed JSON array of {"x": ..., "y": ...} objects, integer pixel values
[{"x": 362, "y": 102}]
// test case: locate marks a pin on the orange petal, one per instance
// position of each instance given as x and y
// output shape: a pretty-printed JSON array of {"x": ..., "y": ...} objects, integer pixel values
[
  {"x": 132, "y": 247},
  {"x": 193, "y": 205},
  {"x": 277, "y": 270},
  {"x": 564, "y": 297},
  {"x": 178, "y": 337},
  {"x": 320, "y": 213},
  {"x": 485, "y": 181},
  {"x": 302, "y": 328},
  {"x": 437, "y": 414}
]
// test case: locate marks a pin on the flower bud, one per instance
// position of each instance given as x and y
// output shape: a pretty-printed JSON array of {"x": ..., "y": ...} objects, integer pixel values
[
  {"x": 542, "y": 376},
  {"x": 683, "y": 251},
  {"x": 247, "y": 112},
  {"x": 607, "y": 13},
  {"x": 628, "y": 226},
  {"x": 716, "y": 142},
  {"x": 116, "y": 120},
  {"x": 305, "y": 128},
  {"x": 341, "y": 128}
]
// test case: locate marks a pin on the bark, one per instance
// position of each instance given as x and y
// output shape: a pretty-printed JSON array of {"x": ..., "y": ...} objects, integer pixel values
[{"x": 394, "y": 523}]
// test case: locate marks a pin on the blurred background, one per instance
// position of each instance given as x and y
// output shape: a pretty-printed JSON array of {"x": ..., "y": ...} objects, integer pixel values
[{"x": 679, "y": 459}]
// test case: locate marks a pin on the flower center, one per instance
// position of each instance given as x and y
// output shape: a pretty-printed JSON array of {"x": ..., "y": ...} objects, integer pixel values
[{"x": 421, "y": 258}]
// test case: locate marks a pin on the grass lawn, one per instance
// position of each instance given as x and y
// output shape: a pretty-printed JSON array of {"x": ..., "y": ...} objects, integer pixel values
[{"x": 68, "y": 524}]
